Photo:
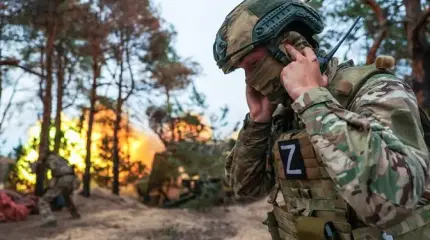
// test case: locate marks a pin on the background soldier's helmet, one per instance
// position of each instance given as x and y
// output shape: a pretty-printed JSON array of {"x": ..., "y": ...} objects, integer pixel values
[{"x": 262, "y": 23}]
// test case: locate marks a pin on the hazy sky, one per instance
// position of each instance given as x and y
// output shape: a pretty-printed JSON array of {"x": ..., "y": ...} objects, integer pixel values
[{"x": 197, "y": 22}]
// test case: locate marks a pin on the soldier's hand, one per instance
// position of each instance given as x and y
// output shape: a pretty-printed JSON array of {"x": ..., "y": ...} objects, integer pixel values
[
  {"x": 260, "y": 108},
  {"x": 303, "y": 73}
]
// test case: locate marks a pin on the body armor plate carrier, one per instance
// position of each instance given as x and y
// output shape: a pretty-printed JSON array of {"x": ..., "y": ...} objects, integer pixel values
[{"x": 313, "y": 209}]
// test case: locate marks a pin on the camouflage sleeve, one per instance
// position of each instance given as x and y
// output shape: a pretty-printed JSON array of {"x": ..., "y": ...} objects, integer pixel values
[
  {"x": 245, "y": 168},
  {"x": 375, "y": 153}
]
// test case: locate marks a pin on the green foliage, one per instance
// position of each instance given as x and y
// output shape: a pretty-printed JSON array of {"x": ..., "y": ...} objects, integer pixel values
[
  {"x": 368, "y": 29},
  {"x": 211, "y": 194},
  {"x": 102, "y": 175},
  {"x": 13, "y": 179}
]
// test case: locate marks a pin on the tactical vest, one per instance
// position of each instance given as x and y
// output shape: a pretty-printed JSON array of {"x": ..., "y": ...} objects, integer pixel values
[{"x": 313, "y": 209}]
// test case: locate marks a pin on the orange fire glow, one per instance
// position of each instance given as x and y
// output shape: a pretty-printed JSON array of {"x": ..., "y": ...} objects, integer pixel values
[
  {"x": 184, "y": 130},
  {"x": 135, "y": 145}
]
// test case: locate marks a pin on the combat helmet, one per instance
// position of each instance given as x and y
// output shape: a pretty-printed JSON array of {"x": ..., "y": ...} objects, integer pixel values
[{"x": 260, "y": 23}]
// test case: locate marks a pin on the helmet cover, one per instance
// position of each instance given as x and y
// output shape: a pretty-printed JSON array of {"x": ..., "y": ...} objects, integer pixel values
[{"x": 260, "y": 23}]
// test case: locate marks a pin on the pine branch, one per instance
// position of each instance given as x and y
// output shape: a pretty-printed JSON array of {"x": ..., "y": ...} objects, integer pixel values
[{"x": 15, "y": 63}]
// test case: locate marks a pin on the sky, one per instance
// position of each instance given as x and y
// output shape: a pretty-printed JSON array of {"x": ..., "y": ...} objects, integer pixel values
[{"x": 196, "y": 23}]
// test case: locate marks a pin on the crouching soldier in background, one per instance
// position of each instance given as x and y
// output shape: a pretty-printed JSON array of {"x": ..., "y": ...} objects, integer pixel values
[{"x": 63, "y": 182}]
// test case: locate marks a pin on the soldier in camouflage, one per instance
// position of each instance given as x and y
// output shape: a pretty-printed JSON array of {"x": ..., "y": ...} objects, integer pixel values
[
  {"x": 63, "y": 182},
  {"x": 344, "y": 144}
]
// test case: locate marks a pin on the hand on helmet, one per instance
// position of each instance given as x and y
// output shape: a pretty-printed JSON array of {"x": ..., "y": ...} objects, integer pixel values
[
  {"x": 303, "y": 73},
  {"x": 260, "y": 109}
]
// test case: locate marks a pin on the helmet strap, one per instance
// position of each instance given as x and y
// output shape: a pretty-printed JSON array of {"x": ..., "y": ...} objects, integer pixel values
[
  {"x": 277, "y": 53},
  {"x": 273, "y": 48}
]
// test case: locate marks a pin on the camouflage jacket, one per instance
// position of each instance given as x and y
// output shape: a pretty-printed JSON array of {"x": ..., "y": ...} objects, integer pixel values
[
  {"x": 58, "y": 166},
  {"x": 374, "y": 151}
]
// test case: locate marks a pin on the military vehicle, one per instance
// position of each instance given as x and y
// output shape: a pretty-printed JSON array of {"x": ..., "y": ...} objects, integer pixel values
[{"x": 184, "y": 173}]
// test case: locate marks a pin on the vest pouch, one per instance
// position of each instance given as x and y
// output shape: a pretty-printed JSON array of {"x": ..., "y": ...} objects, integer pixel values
[{"x": 315, "y": 229}]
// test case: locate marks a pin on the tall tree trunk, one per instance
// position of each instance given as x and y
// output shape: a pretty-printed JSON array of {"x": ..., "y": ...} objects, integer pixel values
[
  {"x": 170, "y": 111},
  {"x": 413, "y": 14},
  {"x": 116, "y": 157},
  {"x": 92, "y": 111},
  {"x": 47, "y": 101},
  {"x": 2, "y": 16},
  {"x": 42, "y": 71},
  {"x": 60, "y": 89},
  {"x": 128, "y": 137},
  {"x": 381, "y": 34},
  {"x": 421, "y": 61},
  {"x": 118, "y": 111}
]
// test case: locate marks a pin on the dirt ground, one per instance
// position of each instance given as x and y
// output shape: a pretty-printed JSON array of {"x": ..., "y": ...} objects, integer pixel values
[{"x": 109, "y": 217}]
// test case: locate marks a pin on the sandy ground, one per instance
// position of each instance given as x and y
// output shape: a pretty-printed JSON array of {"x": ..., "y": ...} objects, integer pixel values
[{"x": 107, "y": 217}]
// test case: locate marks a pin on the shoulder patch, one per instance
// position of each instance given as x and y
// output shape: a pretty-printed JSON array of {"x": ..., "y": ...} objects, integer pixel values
[{"x": 292, "y": 159}]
